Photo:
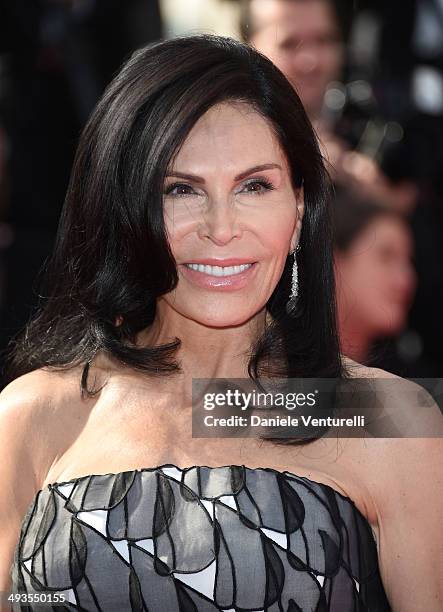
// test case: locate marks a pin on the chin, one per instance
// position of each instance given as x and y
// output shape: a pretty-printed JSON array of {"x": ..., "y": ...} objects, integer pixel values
[
  {"x": 223, "y": 322},
  {"x": 223, "y": 319},
  {"x": 393, "y": 327}
]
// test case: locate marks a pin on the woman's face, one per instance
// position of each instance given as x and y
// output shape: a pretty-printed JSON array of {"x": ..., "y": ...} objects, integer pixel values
[
  {"x": 231, "y": 215},
  {"x": 375, "y": 278}
]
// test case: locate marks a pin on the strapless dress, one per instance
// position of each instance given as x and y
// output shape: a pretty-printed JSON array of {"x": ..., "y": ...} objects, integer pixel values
[{"x": 198, "y": 539}]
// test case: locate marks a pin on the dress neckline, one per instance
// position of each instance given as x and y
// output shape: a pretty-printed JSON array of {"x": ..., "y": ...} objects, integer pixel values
[{"x": 183, "y": 470}]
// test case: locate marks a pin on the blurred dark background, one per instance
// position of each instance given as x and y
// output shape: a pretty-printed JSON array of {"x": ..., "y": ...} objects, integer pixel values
[{"x": 384, "y": 111}]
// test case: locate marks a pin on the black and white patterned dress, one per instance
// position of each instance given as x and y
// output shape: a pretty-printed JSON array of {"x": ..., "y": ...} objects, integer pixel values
[{"x": 198, "y": 539}]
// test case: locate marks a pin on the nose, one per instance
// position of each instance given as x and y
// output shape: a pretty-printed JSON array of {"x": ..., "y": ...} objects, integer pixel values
[
  {"x": 220, "y": 223},
  {"x": 305, "y": 60}
]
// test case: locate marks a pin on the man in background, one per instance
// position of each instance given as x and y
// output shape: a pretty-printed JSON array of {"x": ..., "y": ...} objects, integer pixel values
[
  {"x": 306, "y": 40},
  {"x": 303, "y": 38}
]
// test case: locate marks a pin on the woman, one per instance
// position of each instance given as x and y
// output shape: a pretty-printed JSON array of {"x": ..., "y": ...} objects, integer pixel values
[
  {"x": 174, "y": 261},
  {"x": 375, "y": 278}
]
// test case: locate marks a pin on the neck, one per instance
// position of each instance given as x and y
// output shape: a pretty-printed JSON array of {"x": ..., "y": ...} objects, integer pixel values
[
  {"x": 205, "y": 352},
  {"x": 355, "y": 340}
]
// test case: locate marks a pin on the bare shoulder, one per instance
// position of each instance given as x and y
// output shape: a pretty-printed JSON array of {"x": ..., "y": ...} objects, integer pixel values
[
  {"x": 33, "y": 412},
  {"x": 358, "y": 370},
  {"x": 32, "y": 387},
  {"x": 36, "y": 393},
  {"x": 401, "y": 408}
]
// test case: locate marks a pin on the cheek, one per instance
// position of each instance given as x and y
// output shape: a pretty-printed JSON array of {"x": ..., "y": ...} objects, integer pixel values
[
  {"x": 363, "y": 279},
  {"x": 180, "y": 220},
  {"x": 332, "y": 62},
  {"x": 276, "y": 233},
  {"x": 277, "y": 221},
  {"x": 285, "y": 63},
  {"x": 372, "y": 284}
]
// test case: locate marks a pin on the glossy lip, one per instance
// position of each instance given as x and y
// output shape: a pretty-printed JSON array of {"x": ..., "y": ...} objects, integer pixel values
[
  {"x": 211, "y": 261},
  {"x": 233, "y": 282}
]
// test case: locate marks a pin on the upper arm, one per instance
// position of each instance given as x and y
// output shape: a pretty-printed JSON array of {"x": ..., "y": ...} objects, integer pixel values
[
  {"x": 23, "y": 457},
  {"x": 410, "y": 507}
]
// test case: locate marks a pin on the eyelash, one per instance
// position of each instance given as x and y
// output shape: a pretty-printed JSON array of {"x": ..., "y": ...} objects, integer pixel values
[
  {"x": 268, "y": 186},
  {"x": 171, "y": 187}
]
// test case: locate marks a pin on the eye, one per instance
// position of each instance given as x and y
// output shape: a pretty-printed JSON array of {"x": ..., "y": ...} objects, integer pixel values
[
  {"x": 328, "y": 39},
  {"x": 291, "y": 44},
  {"x": 258, "y": 186},
  {"x": 179, "y": 190}
]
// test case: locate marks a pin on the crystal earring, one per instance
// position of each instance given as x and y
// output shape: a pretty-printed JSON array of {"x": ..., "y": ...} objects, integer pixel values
[{"x": 290, "y": 306}]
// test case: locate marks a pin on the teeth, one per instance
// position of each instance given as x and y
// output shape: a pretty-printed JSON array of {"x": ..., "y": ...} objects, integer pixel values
[{"x": 219, "y": 270}]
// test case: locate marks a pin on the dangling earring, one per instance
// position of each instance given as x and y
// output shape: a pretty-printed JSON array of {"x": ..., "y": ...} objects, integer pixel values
[{"x": 292, "y": 302}]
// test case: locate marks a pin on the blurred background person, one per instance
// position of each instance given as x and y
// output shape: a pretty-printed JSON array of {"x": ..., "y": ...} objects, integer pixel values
[
  {"x": 345, "y": 60},
  {"x": 304, "y": 39},
  {"x": 375, "y": 280},
  {"x": 307, "y": 40},
  {"x": 405, "y": 68}
]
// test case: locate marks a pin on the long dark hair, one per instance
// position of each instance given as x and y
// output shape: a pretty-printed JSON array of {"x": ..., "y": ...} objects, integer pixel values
[{"x": 112, "y": 259}]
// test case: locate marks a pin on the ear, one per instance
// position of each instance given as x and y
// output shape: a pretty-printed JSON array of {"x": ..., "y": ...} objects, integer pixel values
[{"x": 300, "y": 203}]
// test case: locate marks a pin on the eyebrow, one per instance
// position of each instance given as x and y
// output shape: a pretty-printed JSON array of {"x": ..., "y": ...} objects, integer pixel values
[{"x": 239, "y": 177}]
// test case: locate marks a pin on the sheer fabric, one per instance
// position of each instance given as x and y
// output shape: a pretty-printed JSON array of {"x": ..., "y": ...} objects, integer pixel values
[{"x": 198, "y": 539}]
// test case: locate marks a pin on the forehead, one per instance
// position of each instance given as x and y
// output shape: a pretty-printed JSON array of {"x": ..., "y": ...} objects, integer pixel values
[
  {"x": 231, "y": 134},
  {"x": 303, "y": 18}
]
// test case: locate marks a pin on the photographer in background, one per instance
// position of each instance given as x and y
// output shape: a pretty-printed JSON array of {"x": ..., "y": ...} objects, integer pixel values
[{"x": 306, "y": 39}]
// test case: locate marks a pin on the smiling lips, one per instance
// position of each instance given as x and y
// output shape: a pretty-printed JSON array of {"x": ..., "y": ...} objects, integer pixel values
[
  {"x": 219, "y": 270},
  {"x": 220, "y": 267},
  {"x": 226, "y": 274}
]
